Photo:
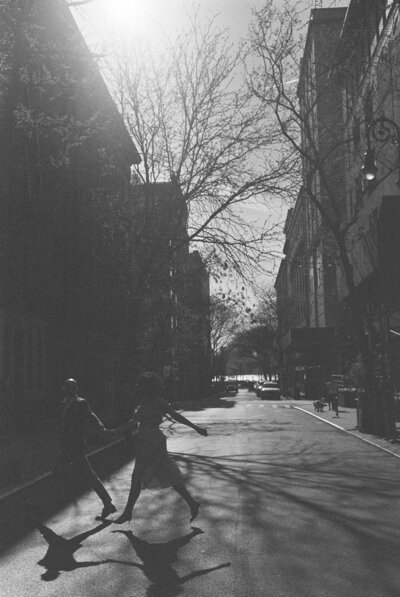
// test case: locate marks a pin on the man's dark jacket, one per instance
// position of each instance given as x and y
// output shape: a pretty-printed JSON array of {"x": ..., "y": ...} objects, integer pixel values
[{"x": 75, "y": 417}]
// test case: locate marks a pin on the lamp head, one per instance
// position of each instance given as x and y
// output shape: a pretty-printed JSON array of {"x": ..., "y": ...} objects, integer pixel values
[{"x": 369, "y": 168}]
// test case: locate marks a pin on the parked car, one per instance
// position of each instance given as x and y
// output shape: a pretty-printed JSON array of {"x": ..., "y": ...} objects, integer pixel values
[
  {"x": 270, "y": 391},
  {"x": 231, "y": 386}
]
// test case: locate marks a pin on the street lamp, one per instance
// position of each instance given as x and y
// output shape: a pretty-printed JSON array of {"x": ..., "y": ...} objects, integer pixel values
[
  {"x": 382, "y": 130},
  {"x": 369, "y": 168}
]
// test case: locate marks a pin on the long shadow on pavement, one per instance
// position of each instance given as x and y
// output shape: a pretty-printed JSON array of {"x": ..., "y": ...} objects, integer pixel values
[
  {"x": 302, "y": 495},
  {"x": 60, "y": 552},
  {"x": 50, "y": 493},
  {"x": 157, "y": 559}
]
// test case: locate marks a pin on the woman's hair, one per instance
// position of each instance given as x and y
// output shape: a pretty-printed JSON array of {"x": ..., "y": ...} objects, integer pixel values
[{"x": 149, "y": 382}]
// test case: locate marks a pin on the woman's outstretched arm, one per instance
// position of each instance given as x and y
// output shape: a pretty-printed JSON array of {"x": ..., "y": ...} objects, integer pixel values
[{"x": 181, "y": 419}]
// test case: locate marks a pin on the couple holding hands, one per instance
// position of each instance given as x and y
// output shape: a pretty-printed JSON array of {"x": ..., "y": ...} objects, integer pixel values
[{"x": 153, "y": 469}]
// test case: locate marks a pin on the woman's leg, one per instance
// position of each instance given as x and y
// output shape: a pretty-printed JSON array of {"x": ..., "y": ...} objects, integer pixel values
[
  {"x": 134, "y": 492},
  {"x": 193, "y": 505}
]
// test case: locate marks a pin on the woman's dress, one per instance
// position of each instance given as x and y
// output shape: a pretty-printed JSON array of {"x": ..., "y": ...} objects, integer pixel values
[{"x": 153, "y": 464}]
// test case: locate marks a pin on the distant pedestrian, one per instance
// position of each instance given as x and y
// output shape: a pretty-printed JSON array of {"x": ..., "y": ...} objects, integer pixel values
[
  {"x": 332, "y": 398},
  {"x": 75, "y": 416},
  {"x": 154, "y": 468},
  {"x": 335, "y": 404}
]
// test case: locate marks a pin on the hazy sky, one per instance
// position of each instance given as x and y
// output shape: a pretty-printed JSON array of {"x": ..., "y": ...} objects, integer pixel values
[{"x": 146, "y": 17}]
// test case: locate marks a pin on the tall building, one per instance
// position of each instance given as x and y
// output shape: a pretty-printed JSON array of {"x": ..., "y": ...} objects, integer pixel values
[
  {"x": 65, "y": 159},
  {"x": 306, "y": 283},
  {"x": 349, "y": 101},
  {"x": 367, "y": 70},
  {"x": 93, "y": 268}
]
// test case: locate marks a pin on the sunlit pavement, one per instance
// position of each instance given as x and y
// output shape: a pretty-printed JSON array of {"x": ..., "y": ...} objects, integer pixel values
[{"x": 290, "y": 507}]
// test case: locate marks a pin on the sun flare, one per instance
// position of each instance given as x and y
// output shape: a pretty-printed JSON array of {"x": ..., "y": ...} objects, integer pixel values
[
  {"x": 124, "y": 19},
  {"x": 125, "y": 13}
]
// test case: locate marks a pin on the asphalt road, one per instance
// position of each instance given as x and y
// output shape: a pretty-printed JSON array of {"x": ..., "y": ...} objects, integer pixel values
[{"x": 291, "y": 507}]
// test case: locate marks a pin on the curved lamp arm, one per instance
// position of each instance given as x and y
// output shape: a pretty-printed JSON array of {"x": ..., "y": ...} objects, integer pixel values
[{"x": 381, "y": 130}]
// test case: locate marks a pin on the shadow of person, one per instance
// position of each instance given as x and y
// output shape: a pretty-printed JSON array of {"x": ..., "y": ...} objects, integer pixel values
[
  {"x": 60, "y": 553},
  {"x": 157, "y": 559}
]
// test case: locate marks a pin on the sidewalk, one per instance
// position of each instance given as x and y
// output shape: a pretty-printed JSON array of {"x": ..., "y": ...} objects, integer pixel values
[{"x": 347, "y": 421}]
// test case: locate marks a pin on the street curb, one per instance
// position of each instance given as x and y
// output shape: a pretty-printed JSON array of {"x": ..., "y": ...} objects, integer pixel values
[{"x": 363, "y": 439}]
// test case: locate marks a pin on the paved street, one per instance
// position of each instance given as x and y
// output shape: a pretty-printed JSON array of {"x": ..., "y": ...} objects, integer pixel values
[{"x": 291, "y": 507}]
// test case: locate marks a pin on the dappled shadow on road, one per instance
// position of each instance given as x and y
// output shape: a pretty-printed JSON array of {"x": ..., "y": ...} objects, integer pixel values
[
  {"x": 302, "y": 495},
  {"x": 156, "y": 563},
  {"x": 60, "y": 553}
]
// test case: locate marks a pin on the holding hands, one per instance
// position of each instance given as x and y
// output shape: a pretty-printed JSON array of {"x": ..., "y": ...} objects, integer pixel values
[{"x": 118, "y": 431}]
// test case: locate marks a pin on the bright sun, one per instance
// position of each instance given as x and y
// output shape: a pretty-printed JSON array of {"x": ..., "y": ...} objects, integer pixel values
[
  {"x": 124, "y": 13},
  {"x": 125, "y": 18}
]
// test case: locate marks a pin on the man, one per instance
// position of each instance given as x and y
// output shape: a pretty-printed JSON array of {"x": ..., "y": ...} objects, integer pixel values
[
  {"x": 332, "y": 389},
  {"x": 75, "y": 416}
]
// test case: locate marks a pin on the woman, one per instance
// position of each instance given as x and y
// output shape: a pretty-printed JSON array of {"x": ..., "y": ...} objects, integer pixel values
[{"x": 154, "y": 469}]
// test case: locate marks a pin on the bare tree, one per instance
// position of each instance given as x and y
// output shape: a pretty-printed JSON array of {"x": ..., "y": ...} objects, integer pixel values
[
  {"x": 223, "y": 322},
  {"x": 259, "y": 341},
  {"x": 195, "y": 123}
]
